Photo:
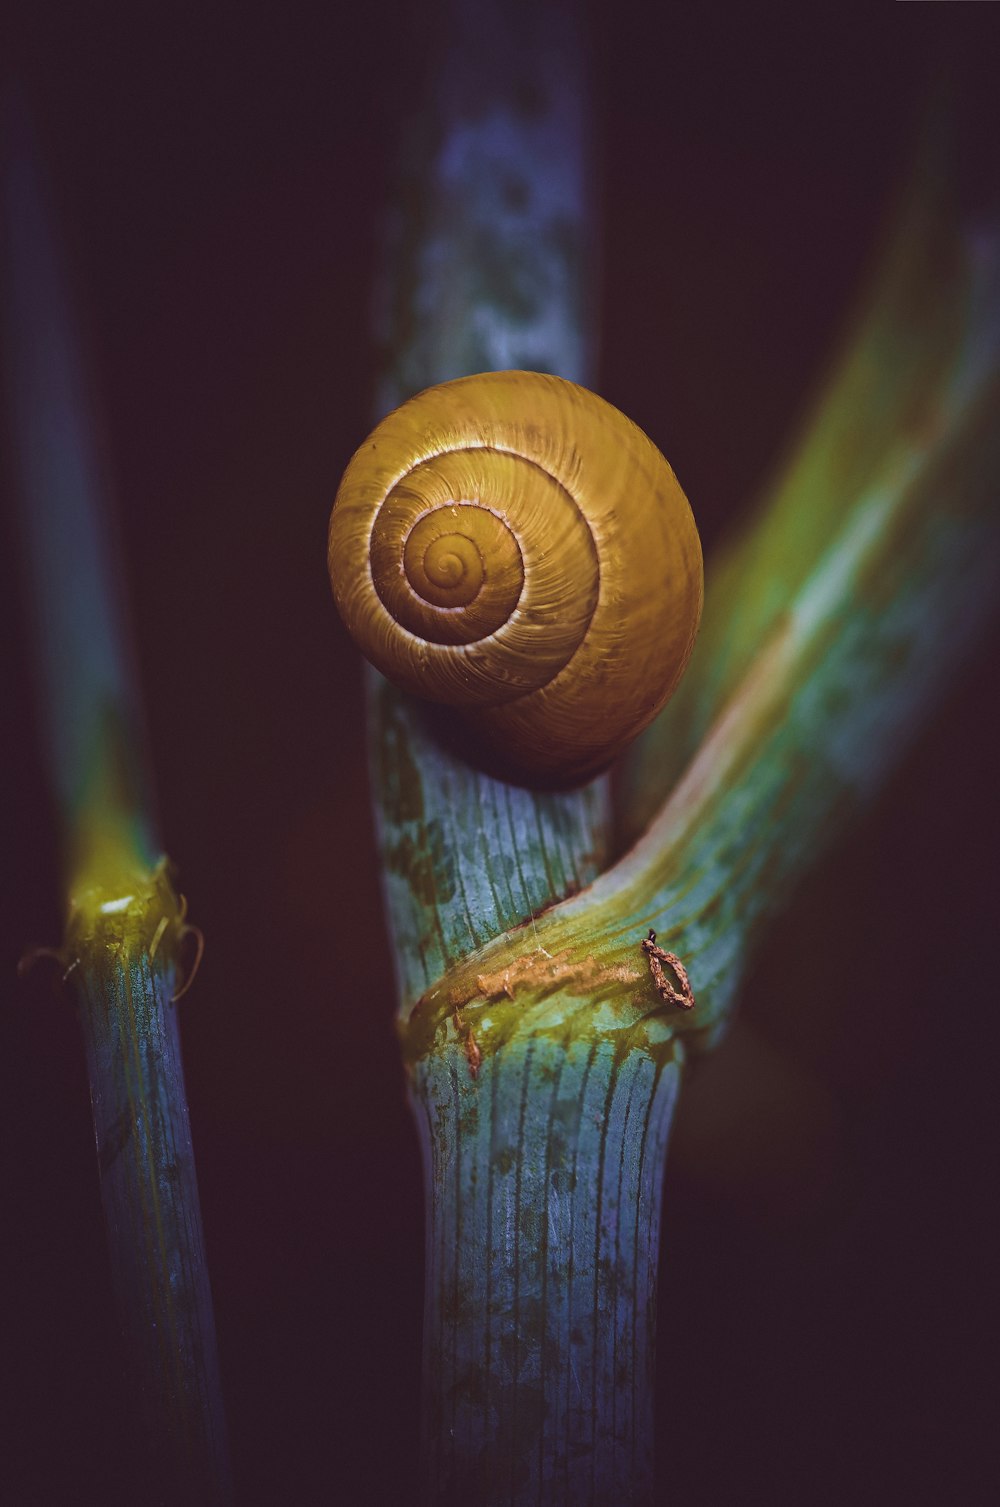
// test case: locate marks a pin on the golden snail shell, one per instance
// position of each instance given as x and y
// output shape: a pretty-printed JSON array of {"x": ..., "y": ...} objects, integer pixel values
[{"x": 513, "y": 545}]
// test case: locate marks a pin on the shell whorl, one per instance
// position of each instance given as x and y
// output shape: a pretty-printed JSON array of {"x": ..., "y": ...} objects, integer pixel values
[{"x": 514, "y": 546}]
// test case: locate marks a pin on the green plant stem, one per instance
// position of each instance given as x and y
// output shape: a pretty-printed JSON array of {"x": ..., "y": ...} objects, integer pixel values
[
  {"x": 545, "y": 1175},
  {"x": 543, "y": 1063},
  {"x": 488, "y": 266},
  {"x": 125, "y": 933},
  {"x": 918, "y": 356},
  {"x": 126, "y": 969},
  {"x": 870, "y": 628},
  {"x": 538, "y": 1317}
]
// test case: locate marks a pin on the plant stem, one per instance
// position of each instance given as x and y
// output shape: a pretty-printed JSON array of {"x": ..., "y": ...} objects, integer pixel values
[
  {"x": 545, "y": 1176},
  {"x": 125, "y": 928},
  {"x": 489, "y": 266},
  {"x": 543, "y": 1064},
  {"x": 867, "y": 634},
  {"x": 538, "y": 1320},
  {"x": 126, "y": 970},
  {"x": 918, "y": 356}
]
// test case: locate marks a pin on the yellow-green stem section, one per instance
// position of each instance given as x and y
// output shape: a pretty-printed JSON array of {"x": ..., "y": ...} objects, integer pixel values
[{"x": 124, "y": 955}]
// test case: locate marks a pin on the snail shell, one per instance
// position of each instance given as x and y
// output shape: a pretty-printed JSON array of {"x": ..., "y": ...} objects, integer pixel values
[{"x": 514, "y": 546}]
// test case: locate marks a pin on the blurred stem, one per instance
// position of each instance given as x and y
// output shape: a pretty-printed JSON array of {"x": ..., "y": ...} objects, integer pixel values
[{"x": 125, "y": 926}]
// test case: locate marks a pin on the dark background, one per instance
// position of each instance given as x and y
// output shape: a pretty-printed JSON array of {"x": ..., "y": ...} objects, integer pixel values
[{"x": 824, "y": 1322}]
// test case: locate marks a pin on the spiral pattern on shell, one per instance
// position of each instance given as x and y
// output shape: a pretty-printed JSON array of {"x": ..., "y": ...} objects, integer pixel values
[{"x": 514, "y": 546}]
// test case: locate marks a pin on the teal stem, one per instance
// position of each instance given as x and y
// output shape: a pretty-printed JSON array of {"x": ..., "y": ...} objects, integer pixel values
[
  {"x": 149, "y": 1191},
  {"x": 858, "y": 607},
  {"x": 902, "y": 428},
  {"x": 491, "y": 256},
  {"x": 545, "y": 1174},
  {"x": 489, "y": 265},
  {"x": 125, "y": 926},
  {"x": 465, "y": 857},
  {"x": 831, "y": 627},
  {"x": 543, "y": 1165}
]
